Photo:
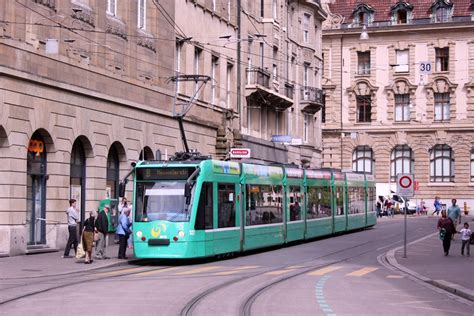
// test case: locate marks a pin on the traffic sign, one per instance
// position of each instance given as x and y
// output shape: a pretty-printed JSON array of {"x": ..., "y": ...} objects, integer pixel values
[
  {"x": 425, "y": 68},
  {"x": 405, "y": 184},
  {"x": 240, "y": 153}
]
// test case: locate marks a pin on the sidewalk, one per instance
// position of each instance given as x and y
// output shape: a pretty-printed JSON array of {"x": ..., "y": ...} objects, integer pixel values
[
  {"x": 426, "y": 261},
  {"x": 52, "y": 264}
]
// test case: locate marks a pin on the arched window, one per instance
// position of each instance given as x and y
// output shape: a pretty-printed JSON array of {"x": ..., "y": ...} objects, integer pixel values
[
  {"x": 401, "y": 161},
  {"x": 472, "y": 165},
  {"x": 146, "y": 154},
  {"x": 362, "y": 159},
  {"x": 113, "y": 172},
  {"x": 78, "y": 177},
  {"x": 441, "y": 164}
]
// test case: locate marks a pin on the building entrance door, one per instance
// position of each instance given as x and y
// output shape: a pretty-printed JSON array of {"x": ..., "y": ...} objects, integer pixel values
[{"x": 36, "y": 191}]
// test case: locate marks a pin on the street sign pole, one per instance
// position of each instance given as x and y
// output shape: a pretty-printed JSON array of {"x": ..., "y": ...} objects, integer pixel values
[
  {"x": 405, "y": 188},
  {"x": 405, "y": 233}
]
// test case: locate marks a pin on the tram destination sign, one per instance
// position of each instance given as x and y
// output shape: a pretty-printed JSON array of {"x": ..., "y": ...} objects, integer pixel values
[{"x": 163, "y": 173}]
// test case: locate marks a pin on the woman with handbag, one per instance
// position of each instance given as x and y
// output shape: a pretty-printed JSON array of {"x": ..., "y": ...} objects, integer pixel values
[{"x": 88, "y": 237}]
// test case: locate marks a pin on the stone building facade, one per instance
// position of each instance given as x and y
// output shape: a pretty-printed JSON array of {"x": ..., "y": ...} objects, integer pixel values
[
  {"x": 86, "y": 88},
  {"x": 386, "y": 113},
  {"x": 84, "y": 92}
]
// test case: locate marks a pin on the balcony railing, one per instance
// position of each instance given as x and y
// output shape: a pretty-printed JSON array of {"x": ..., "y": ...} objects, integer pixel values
[
  {"x": 258, "y": 76},
  {"x": 312, "y": 94}
]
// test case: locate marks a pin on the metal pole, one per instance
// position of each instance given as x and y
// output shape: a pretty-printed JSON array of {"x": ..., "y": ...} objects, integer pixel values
[
  {"x": 239, "y": 75},
  {"x": 405, "y": 232}
]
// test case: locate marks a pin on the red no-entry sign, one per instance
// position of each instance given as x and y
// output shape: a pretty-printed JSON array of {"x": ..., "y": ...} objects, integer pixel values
[{"x": 405, "y": 184}]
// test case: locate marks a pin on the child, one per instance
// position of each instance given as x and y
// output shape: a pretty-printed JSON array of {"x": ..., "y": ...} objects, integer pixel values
[{"x": 465, "y": 237}]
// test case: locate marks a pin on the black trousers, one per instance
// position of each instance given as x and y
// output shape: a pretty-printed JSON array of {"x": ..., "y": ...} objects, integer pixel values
[
  {"x": 122, "y": 245},
  {"x": 447, "y": 242},
  {"x": 72, "y": 240}
]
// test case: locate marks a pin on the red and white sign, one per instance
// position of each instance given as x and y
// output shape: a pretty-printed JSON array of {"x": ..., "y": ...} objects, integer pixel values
[
  {"x": 240, "y": 153},
  {"x": 405, "y": 184}
]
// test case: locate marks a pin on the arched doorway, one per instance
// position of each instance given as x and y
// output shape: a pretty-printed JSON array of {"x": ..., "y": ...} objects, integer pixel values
[
  {"x": 36, "y": 190},
  {"x": 78, "y": 177},
  {"x": 146, "y": 154},
  {"x": 113, "y": 173}
]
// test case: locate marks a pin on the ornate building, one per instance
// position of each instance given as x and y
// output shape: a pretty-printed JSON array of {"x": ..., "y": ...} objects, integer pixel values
[
  {"x": 398, "y": 78},
  {"x": 86, "y": 89}
]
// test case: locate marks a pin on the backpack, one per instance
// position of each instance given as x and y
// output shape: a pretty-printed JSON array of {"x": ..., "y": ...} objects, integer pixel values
[{"x": 442, "y": 233}]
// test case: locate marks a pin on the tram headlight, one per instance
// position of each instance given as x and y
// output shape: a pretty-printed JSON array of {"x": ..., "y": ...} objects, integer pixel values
[
  {"x": 139, "y": 234},
  {"x": 181, "y": 234}
]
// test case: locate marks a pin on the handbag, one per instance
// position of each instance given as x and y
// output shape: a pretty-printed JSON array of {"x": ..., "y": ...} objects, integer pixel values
[
  {"x": 442, "y": 233},
  {"x": 80, "y": 253}
]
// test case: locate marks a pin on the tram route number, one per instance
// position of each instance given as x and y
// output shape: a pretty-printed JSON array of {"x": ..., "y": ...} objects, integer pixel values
[{"x": 425, "y": 68}]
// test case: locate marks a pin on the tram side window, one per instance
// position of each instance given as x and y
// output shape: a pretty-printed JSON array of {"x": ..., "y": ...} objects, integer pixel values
[
  {"x": 319, "y": 202},
  {"x": 263, "y": 205},
  {"x": 340, "y": 201},
  {"x": 295, "y": 203},
  {"x": 356, "y": 200},
  {"x": 226, "y": 205},
  {"x": 371, "y": 200},
  {"x": 204, "y": 212}
]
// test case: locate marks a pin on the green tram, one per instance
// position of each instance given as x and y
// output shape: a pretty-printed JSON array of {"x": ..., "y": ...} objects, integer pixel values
[{"x": 205, "y": 208}]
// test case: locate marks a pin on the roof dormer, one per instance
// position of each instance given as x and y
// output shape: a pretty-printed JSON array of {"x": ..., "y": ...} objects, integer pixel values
[
  {"x": 401, "y": 13},
  {"x": 441, "y": 11},
  {"x": 363, "y": 14}
]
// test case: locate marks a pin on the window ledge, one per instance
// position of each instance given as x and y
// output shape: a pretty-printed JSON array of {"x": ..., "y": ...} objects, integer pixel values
[
  {"x": 442, "y": 184},
  {"x": 439, "y": 72},
  {"x": 357, "y": 75},
  {"x": 401, "y": 122},
  {"x": 401, "y": 73},
  {"x": 470, "y": 184}
]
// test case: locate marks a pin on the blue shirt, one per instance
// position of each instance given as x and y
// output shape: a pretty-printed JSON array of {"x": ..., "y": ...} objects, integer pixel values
[
  {"x": 454, "y": 212},
  {"x": 123, "y": 227}
]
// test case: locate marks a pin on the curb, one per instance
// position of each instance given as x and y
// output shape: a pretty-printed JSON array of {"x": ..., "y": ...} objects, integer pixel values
[
  {"x": 445, "y": 285},
  {"x": 111, "y": 264}
]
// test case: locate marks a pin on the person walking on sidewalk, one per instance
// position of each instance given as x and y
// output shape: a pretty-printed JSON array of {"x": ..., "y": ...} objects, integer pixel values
[
  {"x": 72, "y": 218},
  {"x": 466, "y": 238},
  {"x": 437, "y": 205},
  {"x": 446, "y": 230},
  {"x": 123, "y": 231},
  {"x": 454, "y": 212},
  {"x": 88, "y": 237},
  {"x": 102, "y": 226}
]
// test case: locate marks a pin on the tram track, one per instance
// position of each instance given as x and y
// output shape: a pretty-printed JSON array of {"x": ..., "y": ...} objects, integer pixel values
[
  {"x": 87, "y": 276},
  {"x": 246, "y": 306}
]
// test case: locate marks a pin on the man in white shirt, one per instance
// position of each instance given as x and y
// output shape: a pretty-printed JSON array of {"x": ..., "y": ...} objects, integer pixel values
[{"x": 72, "y": 218}]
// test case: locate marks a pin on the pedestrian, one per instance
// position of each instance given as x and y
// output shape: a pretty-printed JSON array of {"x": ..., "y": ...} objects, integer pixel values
[
  {"x": 123, "y": 205},
  {"x": 465, "y": 239},
  {"x": 123, "y": 231},
  {"x": 423, "y": 208},
  {"x": 388, "y": 206},
  {"x": 446, "y": 230},
  {"x": 437, "y": 205},
  {"x": 72, "y": 218},
  {"x": 102, "y": 226},
  {"x": 88, "y": 237},
  {"x": 379, "y": 206},
  {"x": 454, "y": 212}
]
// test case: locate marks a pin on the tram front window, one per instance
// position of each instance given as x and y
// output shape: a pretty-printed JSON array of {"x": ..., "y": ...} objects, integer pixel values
[{"x": 161, "y": 201}]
